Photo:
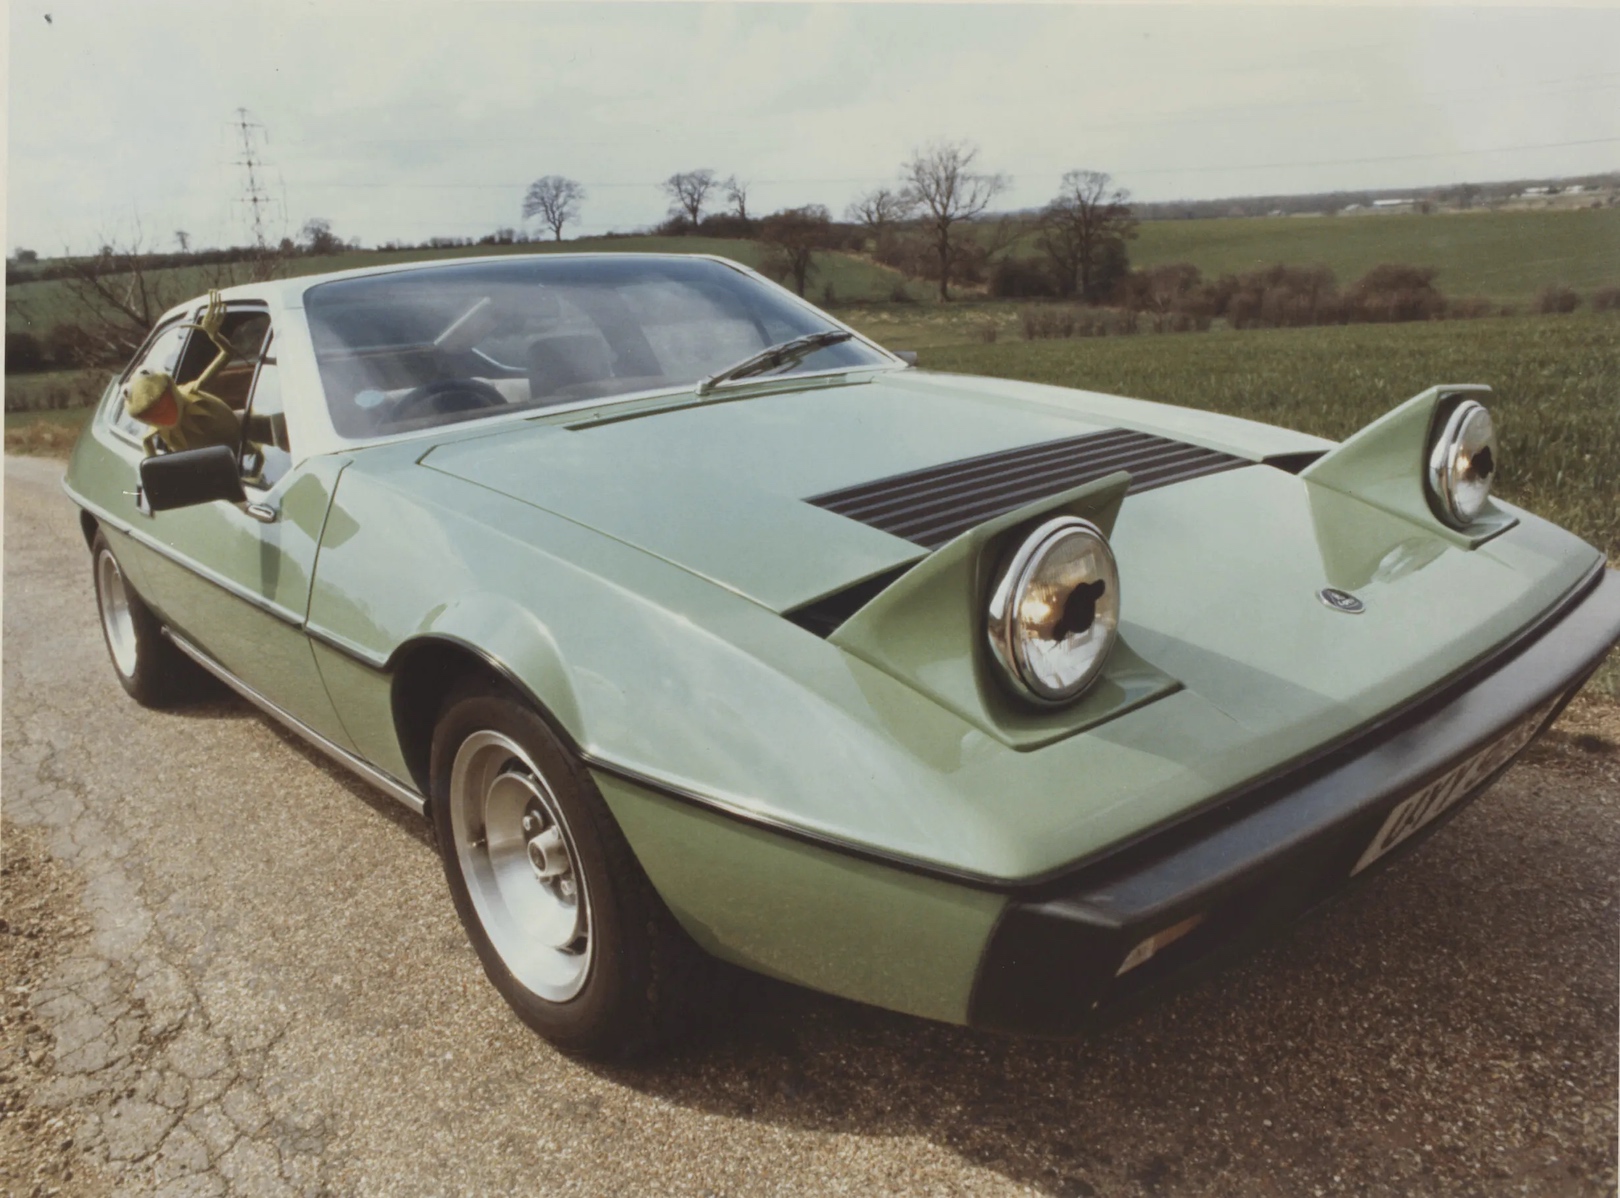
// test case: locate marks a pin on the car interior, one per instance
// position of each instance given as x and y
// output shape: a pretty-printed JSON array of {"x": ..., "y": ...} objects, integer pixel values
[{"x": 397, "y": 367}]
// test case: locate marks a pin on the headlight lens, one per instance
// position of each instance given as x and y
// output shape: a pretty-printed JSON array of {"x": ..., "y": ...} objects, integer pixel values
[
  {"x": 1462, "y": 464},
  {"x": 1054, "y": 613}
]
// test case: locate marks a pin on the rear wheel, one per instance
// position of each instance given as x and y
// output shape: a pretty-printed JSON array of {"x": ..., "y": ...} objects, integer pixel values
[
  {"x": 565, "y": 922},
  {"x": 148, "y": 666}
]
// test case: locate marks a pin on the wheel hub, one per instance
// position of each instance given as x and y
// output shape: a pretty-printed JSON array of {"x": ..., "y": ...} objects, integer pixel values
[
  {"x": 547, "y": 852},
  {"x": 517, "y": 858}
]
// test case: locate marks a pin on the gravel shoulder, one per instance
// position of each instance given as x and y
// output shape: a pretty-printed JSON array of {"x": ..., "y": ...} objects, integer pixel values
[{"x": 230, "y": 969}]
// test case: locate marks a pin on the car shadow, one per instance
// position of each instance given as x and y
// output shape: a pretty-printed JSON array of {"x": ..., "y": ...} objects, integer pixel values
[
  {"x": 1451, "y": 1023},
  {"x": 227, "y": 705}
]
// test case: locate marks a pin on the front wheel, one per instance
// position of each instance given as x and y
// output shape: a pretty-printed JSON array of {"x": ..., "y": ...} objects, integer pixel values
[
  {"x": 565, "y": 922},
  {"x": 149, "y": 667}
]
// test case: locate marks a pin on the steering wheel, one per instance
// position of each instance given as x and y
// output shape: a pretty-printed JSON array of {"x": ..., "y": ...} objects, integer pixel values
[{"x": 443, "y": 397}]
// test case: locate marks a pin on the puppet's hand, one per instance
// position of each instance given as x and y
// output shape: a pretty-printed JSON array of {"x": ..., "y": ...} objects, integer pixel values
[{"x": 214, "y": 318}]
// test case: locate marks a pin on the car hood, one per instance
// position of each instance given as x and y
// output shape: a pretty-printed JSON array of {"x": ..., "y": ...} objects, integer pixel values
[
  {"x": 719, "y": 488},
  {"x": 716, "y": 696}
]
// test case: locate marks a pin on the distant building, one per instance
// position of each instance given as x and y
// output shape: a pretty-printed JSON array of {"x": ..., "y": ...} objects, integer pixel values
[
  {"x": 1387, "y": 205},
  {"x": 1575, "y": 189},
  {"x": 1536, "y": 191}
]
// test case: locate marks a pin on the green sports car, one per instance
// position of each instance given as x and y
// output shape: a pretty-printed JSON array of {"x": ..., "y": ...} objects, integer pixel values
[{"x": 703, "y": 630}]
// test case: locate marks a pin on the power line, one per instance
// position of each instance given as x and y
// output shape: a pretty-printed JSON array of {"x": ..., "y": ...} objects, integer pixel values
[
  {"x": 1569, "y": 85},
  {"x": 1122, "y": 171}
]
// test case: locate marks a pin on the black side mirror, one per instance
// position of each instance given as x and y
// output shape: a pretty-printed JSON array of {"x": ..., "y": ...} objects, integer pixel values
[{"x": 191, "y": 477}]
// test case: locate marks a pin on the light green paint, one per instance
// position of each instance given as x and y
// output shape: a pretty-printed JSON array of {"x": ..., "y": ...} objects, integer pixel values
[
  {"x": 806, "y": 915},
  {"x": 1385, "y": 464},
  {"x": 928, "y": 629}
]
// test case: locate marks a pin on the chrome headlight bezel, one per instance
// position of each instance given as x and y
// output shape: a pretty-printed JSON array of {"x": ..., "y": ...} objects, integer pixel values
[
  {"x": 1010, "y": 603},
  {"x": 1459, "y": 488}
]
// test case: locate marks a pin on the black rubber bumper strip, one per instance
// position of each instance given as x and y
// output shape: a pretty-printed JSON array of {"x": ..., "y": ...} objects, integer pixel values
[{"x": 1053, "y": 964}]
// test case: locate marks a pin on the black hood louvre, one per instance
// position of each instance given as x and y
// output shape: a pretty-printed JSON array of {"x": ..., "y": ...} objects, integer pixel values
[{"x": 930, "y": 507}]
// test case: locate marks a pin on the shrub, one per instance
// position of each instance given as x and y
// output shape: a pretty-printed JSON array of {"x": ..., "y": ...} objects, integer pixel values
[
  {"x": 1046, "y": 320},
  {"x": 56, "y": 395},
  {"x": 986, "y": 332},
  {"x": 829, "y": 293},
  {"x": 1606, "y": 299},
  {"x": 900, "y": 293},
  {"x": 1470, "y": 307},
  {"x": 68, "y": 345},
  {"x": 1556, "y": 300},
  {"x": 1278, "y": 297},
  {"x": 1022, "y": 278},
  {"x": 724, "y": 224},
  {"x": 23, "y": 353},
  {"x": 1394, "y": 292},
  {"x": 1172, "y": 295}
]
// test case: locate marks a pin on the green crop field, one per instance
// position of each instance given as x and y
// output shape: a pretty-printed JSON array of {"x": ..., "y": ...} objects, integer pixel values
[
  {"x": 1505, "y": 256},
  {"x": 39, "y": 306},
  {"x": 1557, "y": 382}
]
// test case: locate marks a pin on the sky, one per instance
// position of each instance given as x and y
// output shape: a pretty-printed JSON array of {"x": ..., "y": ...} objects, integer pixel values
[{"x": 410, "y": 120}]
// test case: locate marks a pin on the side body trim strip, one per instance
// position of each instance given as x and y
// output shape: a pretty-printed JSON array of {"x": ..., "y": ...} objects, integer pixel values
[{"x": 148, "y": 541}]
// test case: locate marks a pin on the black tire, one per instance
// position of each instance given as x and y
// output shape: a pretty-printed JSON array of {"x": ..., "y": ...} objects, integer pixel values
[
  {"x": 147, "y": 665},
  {"x": 644, "y": 981}
]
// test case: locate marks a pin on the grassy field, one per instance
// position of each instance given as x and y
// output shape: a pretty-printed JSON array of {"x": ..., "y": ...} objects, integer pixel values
[
  {"x": 48, "y": 434},
  {"x": 1505, "y": 256},
  {"x": 39, "y": 306},
  {"x": 1557, "y": 379}
]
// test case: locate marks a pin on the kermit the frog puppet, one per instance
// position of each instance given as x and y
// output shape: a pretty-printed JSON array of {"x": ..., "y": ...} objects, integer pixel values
[{"x": 184, "y": 416}]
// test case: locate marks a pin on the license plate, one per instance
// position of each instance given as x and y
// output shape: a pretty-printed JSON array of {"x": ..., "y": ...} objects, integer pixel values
[{"x": 1430, "y": 803}]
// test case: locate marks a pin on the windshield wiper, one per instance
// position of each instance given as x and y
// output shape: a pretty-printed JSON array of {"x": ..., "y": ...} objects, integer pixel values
[{"x": 774, "y": 357}]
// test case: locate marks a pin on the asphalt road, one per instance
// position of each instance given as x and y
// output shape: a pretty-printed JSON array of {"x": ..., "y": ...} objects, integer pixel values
[{"x": 258, "y": 986}]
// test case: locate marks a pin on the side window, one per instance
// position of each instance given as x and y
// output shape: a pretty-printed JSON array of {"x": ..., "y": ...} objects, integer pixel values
[
  {"x": 162, "y": 355},
  {"x": 245, "y": 329},
  {"x": 266, "y": 451}
]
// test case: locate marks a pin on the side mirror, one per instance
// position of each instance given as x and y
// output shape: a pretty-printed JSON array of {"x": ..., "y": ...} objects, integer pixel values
[
  {"x": 194, "y": 476},
  {"x": 908, "y": 356}
]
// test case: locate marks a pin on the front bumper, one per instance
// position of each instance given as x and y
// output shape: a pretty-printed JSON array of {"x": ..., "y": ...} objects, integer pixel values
[{"x": 1068, "y": 954}]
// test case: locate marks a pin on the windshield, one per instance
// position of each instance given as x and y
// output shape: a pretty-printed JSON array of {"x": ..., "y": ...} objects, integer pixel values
[{"x": 442, "y": 344}]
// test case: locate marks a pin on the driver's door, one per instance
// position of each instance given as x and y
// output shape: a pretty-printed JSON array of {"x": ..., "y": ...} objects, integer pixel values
[{"x": 235, "y": 579}]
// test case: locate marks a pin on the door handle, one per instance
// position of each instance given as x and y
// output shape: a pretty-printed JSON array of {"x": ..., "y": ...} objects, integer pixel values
[{"x": 262, "y": 512}]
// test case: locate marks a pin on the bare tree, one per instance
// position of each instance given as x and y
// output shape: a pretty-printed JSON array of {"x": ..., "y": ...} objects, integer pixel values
[
  {"x": 118, "y": 298},
  {"x": 940, "y": 180},
  {"x": 879, "y": 211},
  {"x": 791, "y": 238},
  {"x": 736, "y": 191},
  {"x": 118, "y": 294},
  {"x": 319, "y": 238},
  {"x": 688, "y": 191},
  {"x": 1084, "y": 229},
  {"x": 555, "y": 200},
  {"x": 183, "y": 240}
]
